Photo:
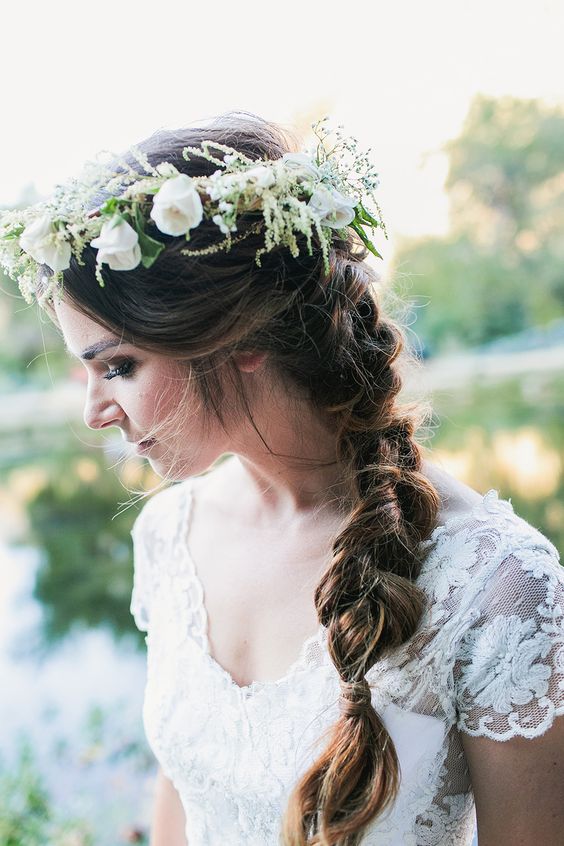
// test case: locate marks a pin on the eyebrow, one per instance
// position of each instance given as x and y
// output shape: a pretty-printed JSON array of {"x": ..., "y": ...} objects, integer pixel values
[{"x": 99, "y": 347}]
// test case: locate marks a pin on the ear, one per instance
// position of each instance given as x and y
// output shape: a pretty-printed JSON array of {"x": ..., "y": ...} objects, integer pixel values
[{"x": 249, "y": 361}]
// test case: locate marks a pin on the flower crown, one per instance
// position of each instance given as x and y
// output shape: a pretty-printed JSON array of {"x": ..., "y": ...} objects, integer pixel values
[{"x": 322, "y": 191}]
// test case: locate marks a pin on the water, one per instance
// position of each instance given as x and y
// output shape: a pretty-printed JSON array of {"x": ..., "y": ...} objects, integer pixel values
[{"x": 79, "y": 706}]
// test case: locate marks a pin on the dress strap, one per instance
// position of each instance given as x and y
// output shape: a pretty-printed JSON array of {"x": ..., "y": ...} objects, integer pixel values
[{"x": 194, "y": 609}]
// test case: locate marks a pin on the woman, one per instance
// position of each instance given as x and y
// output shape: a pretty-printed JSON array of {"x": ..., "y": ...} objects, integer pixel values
[{"x": 345, "y": 643}]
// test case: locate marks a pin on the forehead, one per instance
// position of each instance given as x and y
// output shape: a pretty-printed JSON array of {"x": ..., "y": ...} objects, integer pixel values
[{"x": 80, "y": 331}]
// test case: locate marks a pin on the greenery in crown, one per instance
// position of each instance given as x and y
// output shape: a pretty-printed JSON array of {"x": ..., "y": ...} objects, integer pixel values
[{"x": 325, "y": 190}]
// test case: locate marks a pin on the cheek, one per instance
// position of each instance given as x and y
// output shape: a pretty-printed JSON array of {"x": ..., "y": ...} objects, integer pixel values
[{"x": 160, "y": 398}]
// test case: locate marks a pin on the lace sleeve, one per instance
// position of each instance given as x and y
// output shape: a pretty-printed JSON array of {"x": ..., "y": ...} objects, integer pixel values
[{"x": 509, "y": 669}]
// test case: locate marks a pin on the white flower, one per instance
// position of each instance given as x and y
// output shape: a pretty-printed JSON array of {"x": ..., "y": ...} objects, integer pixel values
[
  {"x": 166, "y": 169},
  {"x": 117, "y": 245},
  {"x": 219, "y": 221},
  {"x": 45, "y": 244},
  {"x": 306, "y": 167},
  {"x": 221, "y": 185},
  {"x": 332, "y": 207},
  {"x": 262, "y": 176},
  {"x": 177, "y": 206}
]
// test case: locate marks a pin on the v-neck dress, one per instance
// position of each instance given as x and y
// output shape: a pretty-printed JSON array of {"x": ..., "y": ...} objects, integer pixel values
[{"x": 487, "y": 659}]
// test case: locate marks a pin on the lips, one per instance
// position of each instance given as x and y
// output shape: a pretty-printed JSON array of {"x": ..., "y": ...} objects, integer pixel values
[{"x": 144, "y": 446}]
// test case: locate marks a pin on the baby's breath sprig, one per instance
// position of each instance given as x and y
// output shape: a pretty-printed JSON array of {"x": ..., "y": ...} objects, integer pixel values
[
  {"x": 231, "y": 157},
  {"x": 353, "y": 170}
]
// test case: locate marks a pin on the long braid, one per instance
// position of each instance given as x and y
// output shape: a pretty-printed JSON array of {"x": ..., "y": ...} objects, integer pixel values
[{"x": 366, "y": 599}]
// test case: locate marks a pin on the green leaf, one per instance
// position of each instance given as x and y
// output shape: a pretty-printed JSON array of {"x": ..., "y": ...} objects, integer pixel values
[
  {"x": 366, "y": 216},
  {"x": 14, "y": 233},
  {"x": 364, "y": 238},
  {"x": 150, "y": 247},
  {"x": 110, "y": 206}
]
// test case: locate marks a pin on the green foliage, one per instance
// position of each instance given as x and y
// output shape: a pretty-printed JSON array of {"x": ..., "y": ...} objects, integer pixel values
[
  {"x": 27, "y": 815},
  {"x": 501, "y": 268},
  {"x": 476, "y": 421},
  {"x": 30, "y": 345},
  {"x": 150, "y": 248},
  {"x": 507, "y": 149}
]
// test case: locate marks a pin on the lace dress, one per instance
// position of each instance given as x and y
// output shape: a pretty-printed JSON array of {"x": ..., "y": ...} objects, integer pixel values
[{"x": 487, "y": 659}]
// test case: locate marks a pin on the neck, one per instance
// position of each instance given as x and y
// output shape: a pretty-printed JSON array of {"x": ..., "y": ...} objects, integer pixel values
[{"x": 291, "y": 468}]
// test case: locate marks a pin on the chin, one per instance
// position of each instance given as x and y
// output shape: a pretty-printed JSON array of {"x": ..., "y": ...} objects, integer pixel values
[{"x": 176, "y": 472}]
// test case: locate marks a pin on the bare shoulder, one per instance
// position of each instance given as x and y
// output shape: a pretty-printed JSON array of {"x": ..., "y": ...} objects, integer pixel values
[
  {"x": 219, "y": 489},
  {"x": 457, "y": 498}
]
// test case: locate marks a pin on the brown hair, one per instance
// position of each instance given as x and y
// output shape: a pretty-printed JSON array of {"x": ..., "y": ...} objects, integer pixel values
[{"x": 326, "y": 334}]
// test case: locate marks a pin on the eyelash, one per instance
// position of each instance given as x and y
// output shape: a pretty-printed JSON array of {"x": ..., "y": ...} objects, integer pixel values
[{"x": 125, "y": 370}]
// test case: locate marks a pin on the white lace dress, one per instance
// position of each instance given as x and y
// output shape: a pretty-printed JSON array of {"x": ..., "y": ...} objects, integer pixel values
[{"x": 487, "y": 659}]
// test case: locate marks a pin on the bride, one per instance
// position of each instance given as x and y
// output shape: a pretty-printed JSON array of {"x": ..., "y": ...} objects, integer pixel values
[{"x": 345, "y": 643}]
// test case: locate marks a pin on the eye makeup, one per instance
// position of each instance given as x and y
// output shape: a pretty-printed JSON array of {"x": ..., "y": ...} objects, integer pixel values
[{"x": 125, "y": 369}]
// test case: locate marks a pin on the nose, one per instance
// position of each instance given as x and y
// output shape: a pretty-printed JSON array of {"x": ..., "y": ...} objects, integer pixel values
[{"x": 100, "y": 410}]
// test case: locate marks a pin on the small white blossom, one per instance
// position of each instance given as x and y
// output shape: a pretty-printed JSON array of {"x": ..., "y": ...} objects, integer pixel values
[
  {"x": 332, "y": 207},
  {"x": 302, "y": 164},
  {"x": 177, "y": 206},
  {"x": 45, "y": 244},
  {"x": 262, "y": 176},
  {"x": 219, "y": 221},
  {"x": 166, "y": 169},
  {"x": 220, "y": 185},
  {"x": 117, "y": 245}
]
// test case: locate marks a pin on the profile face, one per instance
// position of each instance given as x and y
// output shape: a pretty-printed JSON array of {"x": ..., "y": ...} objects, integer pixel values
[{"x": 146, "y": 395}]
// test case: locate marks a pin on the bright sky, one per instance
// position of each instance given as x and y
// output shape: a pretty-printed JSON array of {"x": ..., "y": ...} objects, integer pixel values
[{"x": 400, "y": 75}]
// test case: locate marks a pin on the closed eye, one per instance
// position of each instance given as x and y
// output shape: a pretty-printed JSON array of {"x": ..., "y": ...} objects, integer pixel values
[{"x": 125, "y": 369}]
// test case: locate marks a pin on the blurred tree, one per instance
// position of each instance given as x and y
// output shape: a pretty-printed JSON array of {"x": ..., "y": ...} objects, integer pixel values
[
  {"x": 501, "y": 268},
  {"x": 30, "y": 346}
]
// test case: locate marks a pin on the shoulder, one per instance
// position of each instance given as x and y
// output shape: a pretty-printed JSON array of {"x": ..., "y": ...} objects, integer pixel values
[
  {"x": 495, "y": 620},
  {"x": 165, "y": 513},
  {"x": 467, "y": 517},
  {"x": 484, "y": 558},
  {"x": 456, "y": 497},
  {"x": 162, "y": 510}
]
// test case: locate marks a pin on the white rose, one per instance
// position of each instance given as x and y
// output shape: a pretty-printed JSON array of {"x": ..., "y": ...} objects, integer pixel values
[
  {"x": 43, "y": 243},
  {"x": 302, "y": 163},
  {"x": 263, "y": 176},
  {"x": 117, "y": 245},
  {"x": 177, "y": 206},
  {"x": 334, "y": 209}
]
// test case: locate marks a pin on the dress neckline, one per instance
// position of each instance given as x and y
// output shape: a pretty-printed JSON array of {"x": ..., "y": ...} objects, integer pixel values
[
  {"x": 306, "y": 652},
  {"x": 307, "y": 656}
]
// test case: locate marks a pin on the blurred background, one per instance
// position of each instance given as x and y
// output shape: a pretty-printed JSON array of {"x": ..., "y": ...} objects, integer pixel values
[{"x": 463, "y": 106}]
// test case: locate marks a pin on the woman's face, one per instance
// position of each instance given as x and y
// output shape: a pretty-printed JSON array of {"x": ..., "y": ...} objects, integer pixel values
[{"x": 142, "y": 393}]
